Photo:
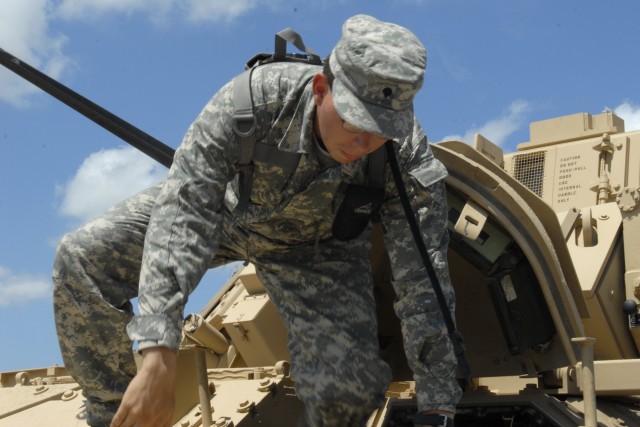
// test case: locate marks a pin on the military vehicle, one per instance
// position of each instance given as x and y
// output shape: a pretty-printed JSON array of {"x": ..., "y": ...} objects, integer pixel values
[{"x": 545, "y": 260}]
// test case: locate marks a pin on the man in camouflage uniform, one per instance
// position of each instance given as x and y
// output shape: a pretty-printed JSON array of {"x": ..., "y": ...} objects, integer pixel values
[{"x": 158, "y": 244}]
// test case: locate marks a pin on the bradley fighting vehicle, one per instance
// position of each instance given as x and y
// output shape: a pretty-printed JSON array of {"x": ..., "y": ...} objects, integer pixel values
[{"x": 545, "y": 260}]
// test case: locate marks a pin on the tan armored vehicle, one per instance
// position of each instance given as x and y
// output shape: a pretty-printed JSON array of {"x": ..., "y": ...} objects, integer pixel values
[{"x": 545, "y": 259}]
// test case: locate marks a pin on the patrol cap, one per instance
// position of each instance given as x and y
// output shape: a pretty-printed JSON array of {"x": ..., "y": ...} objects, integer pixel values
[{"x": 378, "y": 67}]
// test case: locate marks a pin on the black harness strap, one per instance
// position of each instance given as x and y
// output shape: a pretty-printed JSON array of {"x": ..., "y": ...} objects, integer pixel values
[
  {"x": 454, "y": 335},
  {"x": 245, "y": 128},
  {"x": 361, "y": 203},
  {"x": 289, "y": 35},
  {"x": 376, "y": 162},
  {"x": 272, "y": 155},
  {"x": 244, "y": 118}
]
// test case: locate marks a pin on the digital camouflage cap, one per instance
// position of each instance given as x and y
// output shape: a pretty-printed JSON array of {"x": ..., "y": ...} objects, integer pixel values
[{"x": 378, "y": 67}]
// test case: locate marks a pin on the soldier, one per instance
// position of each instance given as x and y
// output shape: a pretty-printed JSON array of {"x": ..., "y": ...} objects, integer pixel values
[{"x": 158, "y": 244}]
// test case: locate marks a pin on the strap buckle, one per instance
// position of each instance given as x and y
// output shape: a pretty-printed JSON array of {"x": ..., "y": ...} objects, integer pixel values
[{"x": 437, "y": 420}]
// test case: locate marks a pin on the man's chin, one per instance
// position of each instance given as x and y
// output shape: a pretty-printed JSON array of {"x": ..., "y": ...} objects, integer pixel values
[{"x": 348, "y": 158}]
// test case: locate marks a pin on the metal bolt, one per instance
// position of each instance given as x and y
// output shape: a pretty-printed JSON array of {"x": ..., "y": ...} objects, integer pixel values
[
  {"x": 68, "y": 395},
  {"x": 266, "y": 385},
  {"x": 245, "y": 406},
  {"x": 40, "y": 389},
  {"x": 185, "y": 423}
]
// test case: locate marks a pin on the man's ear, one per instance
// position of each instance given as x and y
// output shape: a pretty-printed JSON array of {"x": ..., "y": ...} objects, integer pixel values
[{"x": 320, "y": 86}]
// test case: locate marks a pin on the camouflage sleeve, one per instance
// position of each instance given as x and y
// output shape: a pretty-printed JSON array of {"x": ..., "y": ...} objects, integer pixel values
[
  {"x": 427, "y": 347},
  {"x": 185, "y": 224},
  {"x": 420, "y": 170}
]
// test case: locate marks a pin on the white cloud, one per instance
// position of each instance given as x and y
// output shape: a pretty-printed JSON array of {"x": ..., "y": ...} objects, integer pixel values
[
  {"x": 25, "y": 33},
  {"x": 16, "y": 288},
  {"x": 105, "y": 178},
  {"x": 499, "y": 129},
  {"x": 158, "y": 10},
  {"x": 26, "y": 29},
  {"x": 81, "y": 8},
  {"x": 217, "y": 10},
  {"x": 630, "y": 113},
  {"x": 95, "y": 9}
]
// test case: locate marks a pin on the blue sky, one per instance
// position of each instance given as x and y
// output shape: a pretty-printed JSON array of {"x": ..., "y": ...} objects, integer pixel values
[{"x": 493, "y": 67}]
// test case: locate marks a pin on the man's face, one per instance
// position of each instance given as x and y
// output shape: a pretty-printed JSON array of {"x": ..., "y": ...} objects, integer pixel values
[{"x": 344, "y": 142}]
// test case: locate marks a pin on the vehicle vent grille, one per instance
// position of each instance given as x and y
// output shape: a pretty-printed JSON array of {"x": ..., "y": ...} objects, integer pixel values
[{"x": 529, "y": 170}]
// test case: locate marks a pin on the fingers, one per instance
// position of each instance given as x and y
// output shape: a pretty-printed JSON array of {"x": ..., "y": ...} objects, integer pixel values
[
  {"x": 118, "y": 418},
  {"x": 121, "y": 419},
  {"x": 124, "y": 419}
]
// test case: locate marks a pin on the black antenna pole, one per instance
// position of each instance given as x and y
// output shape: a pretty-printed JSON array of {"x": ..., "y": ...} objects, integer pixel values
[{"x": 109, "y": 121}]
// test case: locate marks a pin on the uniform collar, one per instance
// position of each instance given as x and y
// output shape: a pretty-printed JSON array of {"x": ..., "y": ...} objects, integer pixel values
[{"x": 300, "y": 137}]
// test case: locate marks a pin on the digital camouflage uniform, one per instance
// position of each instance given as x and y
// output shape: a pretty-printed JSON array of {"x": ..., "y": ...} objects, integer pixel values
[{"x": 321, "y": 286}]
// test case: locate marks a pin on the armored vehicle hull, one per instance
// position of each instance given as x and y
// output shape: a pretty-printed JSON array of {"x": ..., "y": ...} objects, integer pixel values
[{"x": 545, "y": 261}]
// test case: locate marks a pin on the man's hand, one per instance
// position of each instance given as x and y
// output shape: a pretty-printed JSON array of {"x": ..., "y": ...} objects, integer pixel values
[{"x": 150, "y": 398}]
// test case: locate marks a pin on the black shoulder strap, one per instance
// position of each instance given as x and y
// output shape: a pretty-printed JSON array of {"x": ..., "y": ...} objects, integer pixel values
[
  {"x": 280, "y": 51},
  {"x": 375, "y": 168},
  {"x": 245, "y": 122},
  {"x": 289, "y": 35},
  {"x": 244, "y": 118},
  {"x": 454, "y": 335},
  {"x": 245, "y": 127}
]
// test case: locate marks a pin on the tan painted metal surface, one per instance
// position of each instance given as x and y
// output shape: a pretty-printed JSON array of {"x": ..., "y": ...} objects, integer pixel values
[{"x": 544, "y": 255}]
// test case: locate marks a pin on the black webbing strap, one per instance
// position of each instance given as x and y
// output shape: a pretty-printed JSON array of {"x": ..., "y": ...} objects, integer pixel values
[
  {"x": 454, "y": 335},
  {"x": 251, "y": 149},
  {"x": 375, "y": 166},
  {"x": 280, "y": 51},
  {"x": 436, "y": 420},
  {"x": 272, "y": 155},
  {"x": 289, "y": 35},
  {"x": 244, "y": 116},
  {"x": 244, "y": 121}
]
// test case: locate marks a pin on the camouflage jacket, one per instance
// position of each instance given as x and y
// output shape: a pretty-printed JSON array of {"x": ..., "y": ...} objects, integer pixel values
[{"x": 184, "y": 231}]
